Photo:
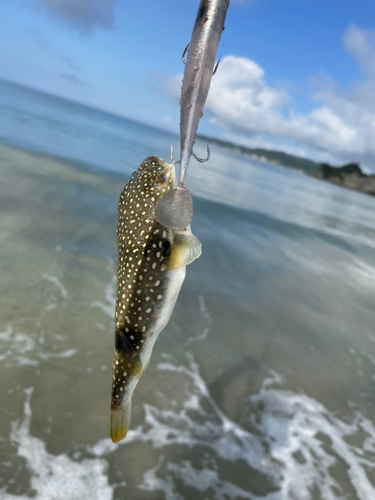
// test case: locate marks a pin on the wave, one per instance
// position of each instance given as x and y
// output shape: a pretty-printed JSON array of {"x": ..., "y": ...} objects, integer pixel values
[
  {"x": 292, "y": 452},
  {"x": 56, "y": 477}
]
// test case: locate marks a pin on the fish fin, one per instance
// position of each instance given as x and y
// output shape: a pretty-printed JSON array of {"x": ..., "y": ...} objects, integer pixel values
[
  {"x": 184, "y": 252},
  {"x": 145, "y": 364},
  {"x": 120, "y": 421}
]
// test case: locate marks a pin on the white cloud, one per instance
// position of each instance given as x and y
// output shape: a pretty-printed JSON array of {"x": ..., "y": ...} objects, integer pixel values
[
  {"x": 82, "y": 15},
  {"x": 361, "y": 45},
  {"x": 340, "y": 126},
  {"x": 241, "y": 100}
]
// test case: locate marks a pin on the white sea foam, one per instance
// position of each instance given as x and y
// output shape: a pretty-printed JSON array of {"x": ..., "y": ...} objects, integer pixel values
[
  {"x": 23, "y": 349},
  {"x": 199, "y": 423},
  {"x": 14, "y": 346},
  {"x": 55, "y": 281},
  {"x": 58, "y": 355},
  {"x": 152, "y": 482},
  {"x": 110, "y": 296},
  {"x": 168, "y": 427},
  {"x": 50, "y": 307},
  {"x": 207, "y": 318},
  {"x": 297, "y": 444},
  {"x": 361, "y": 274},
  {"x": 56, "y": 477},
  {"x": 306, "y": 440},
  {"x": 204, "y": 480}
]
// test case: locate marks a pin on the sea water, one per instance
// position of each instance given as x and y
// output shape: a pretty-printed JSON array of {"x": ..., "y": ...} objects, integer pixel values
[{"x": 262, "y": 384}]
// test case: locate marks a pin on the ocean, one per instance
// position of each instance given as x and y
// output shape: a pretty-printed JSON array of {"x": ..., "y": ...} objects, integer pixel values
[{"x": 262, "y": 384}]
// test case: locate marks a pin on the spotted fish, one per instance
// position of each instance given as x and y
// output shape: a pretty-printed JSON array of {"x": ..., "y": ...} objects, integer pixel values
[{"x": 150, "y": 272}]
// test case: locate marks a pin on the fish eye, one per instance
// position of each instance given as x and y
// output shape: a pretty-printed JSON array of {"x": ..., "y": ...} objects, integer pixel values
[{"x": 163, "y": 178}]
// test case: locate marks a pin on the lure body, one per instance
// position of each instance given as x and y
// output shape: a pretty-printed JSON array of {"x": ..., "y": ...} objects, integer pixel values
[{"x": 199, "y": 69}]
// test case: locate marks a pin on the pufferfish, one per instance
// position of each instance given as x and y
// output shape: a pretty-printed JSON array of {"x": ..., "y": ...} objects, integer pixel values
[{"x": 151, "y": 268}]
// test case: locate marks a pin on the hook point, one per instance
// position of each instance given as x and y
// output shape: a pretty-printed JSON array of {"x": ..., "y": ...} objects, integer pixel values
[{"x": 184, "y": 53}]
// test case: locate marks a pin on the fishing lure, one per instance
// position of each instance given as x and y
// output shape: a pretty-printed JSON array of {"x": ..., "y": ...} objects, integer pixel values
[{"x": 175, "y": 209}]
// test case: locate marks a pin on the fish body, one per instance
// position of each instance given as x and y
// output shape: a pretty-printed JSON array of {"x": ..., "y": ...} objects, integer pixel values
[
  {"x": 151, "y": 268},
  {"x": 199, "y": 67}
]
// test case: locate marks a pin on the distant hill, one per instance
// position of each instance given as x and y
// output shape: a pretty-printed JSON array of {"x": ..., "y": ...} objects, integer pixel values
[
  {"x": 277, "y": 157},
  {"x": 328, "y": 172},
  {"x": 350, "y": 176}
]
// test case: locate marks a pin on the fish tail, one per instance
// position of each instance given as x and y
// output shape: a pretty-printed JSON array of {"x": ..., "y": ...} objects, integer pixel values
[
  {"x": 126, "y": 366},
  {"x": 120, "y": 421}
]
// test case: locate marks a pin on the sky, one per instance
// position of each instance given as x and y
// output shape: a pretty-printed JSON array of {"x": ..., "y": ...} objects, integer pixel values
[{"x": 296, "y": 76}]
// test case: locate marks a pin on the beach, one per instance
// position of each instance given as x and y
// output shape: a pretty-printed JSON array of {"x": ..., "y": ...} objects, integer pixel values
[{"x": 261, "y": 385}]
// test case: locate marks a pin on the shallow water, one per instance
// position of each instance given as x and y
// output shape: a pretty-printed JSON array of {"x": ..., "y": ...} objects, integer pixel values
[{"x": 262, "y": 384}]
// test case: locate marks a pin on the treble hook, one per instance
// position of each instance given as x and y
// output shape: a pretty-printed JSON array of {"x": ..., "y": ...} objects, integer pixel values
[
  {"x": 172, "y": 159},
  {"x": 217, "y": 65},
  {"x": 203, "y": 160},
  {"x": 184, "y": 52}
]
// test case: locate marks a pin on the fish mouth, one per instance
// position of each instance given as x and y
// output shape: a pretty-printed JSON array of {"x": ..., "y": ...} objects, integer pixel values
[
  {"x": 169, "y": 174},
  {"x": 170, "y": 171}
]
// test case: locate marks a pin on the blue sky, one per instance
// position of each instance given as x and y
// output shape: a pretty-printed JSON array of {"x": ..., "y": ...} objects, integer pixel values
[{"x": 295, "y": 75}]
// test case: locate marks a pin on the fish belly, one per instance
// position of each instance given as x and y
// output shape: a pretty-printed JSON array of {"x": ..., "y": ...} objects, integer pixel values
[{"x": 121, "y": 410}]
